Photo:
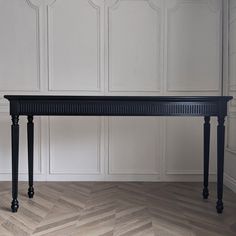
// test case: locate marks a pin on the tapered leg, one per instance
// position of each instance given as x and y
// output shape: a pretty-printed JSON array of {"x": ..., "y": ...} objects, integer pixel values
[
  {"x": 15, "y": 158},
  {"x": 30, "y": 132},
  {"x": 205, "y": 191},
  {"x": 220, "y": 163}
]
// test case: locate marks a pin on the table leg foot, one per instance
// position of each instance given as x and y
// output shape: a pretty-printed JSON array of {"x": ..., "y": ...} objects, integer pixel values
[
  {"x": 205, "y": 193},
  {"x": 14, "y": 205},
  {"x": 219, "y": 206},
  {"x": 31, "y": 192}
]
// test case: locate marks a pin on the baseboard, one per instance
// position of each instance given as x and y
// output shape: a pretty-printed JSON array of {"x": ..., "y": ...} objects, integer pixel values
[
  {"x": 22, "y": 177},
  {"x": 230, "y": 182},
  {"x": 187, "y": 178},
  {"x": 102, "y": 177}
]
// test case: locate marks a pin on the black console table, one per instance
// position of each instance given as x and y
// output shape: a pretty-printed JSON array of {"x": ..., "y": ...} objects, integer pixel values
[{"x": 205, "y": 106}]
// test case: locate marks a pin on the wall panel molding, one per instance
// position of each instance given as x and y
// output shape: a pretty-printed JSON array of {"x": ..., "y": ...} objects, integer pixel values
[
  {"x": 231, "y": 137},
  {"x": 232, "y": 71},
  {"x": 179, "y": 65},
  {"x": 53, "y": 83},
  {"x": 231, "y": 83},
  {"x": 24, "y": 85},
  {"x": 191, "y": 158},
  {"x": 187, "y": 172},
  {"x": 230, "y": 178},
  {"x": 123, "y": 142},
  {"x": 230, "y": 182},
  {"x": 232, "y": 49},
  {"x": 124, "y": 72},
  {"x": 80, "y": 171}
]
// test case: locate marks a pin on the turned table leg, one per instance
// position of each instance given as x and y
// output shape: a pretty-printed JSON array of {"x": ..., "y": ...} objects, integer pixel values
[
  {"x": 30, "y": 137},
  {"x": 220, "y": 162},
  {"x": 205, "y": 192},
  {"x": 15, "y": 161}
]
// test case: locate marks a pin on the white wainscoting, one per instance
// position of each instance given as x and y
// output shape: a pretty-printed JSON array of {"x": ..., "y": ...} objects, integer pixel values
[
  {"x": 183, "y": 145},
  {"x": 19, "y": 46},
  {"x": 131, "y": 137},
  {"x": 81, "y": 146},
  {"x": 190, "y": 41},
  {"x": 134, "y": 33},
  {"x": 74, "y": 45},
  {"x": 112, "y": 47},
  {"x": 231, "y": 90}
]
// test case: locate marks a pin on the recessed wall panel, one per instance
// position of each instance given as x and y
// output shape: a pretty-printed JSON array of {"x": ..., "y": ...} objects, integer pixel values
[
  {"x": 134, "y": 46},
  {"x": 184, "y": 145},
  {"x": 19, "y": 46},
  {"x": 232, "y": 71},
  {"x": 232, "y": 48},
  {"x": 232, "y": 132},
  {"x": 75, "y": 145},
  {"x": 74, "y": 45},
  {"x": 134, "y": 145},
  {"x": 193, "y": 51}
]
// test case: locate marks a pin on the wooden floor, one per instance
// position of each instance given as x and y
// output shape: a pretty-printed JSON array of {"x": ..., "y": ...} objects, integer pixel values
[{"x": 109, "y": 208}]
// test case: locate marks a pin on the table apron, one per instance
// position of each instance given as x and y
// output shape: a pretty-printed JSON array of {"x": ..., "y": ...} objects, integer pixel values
[{"x": 117, "y": 108}]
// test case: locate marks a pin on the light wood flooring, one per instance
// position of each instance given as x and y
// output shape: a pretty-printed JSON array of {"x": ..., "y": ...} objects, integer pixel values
[{"x": 119, "y": 209}]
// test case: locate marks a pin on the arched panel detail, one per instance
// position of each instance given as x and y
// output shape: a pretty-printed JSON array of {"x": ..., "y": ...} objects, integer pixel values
[
  {"x": 21, "y": 46},
  {"x": 176, "y": 73},
  {"x": 125, "y": 71},
  {"x": 112, "y": 3},
  {"x": 33, "y": 3},
  {"x": 82, "y": 49}
]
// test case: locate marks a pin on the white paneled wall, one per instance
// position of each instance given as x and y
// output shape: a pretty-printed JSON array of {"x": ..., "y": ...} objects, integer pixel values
[
  {"x": 231, "y": 90},
  {"x": 74, "y": 46},
  {"x": 193, "y": 54},
  {"x": 134, "y": 145},
  {"x": 134, "y": 32},
  {"x": 84, "y": 133},
  {"x": 19, "y": 46},
  {"x": 110, "y": 47}
]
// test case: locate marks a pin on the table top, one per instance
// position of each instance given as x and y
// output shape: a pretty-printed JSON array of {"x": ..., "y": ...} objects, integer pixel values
[
  {"x": 120, "y": 98},
  {"x": 118, "y": 105}
]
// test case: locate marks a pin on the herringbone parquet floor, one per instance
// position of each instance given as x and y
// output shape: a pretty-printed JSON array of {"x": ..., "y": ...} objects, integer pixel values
[{"x": 119, "y": 209}]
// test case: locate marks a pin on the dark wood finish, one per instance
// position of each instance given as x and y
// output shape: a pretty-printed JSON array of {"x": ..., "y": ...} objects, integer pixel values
[
  {"x": 220, "y": 162},
  {"x": 30, "y": 138},
  {"x": 206, "y": 147},
  {"x": 15, "y": 161},
  {"x": 205, "y": 106},
  {"x": 118, "y": 105}
]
